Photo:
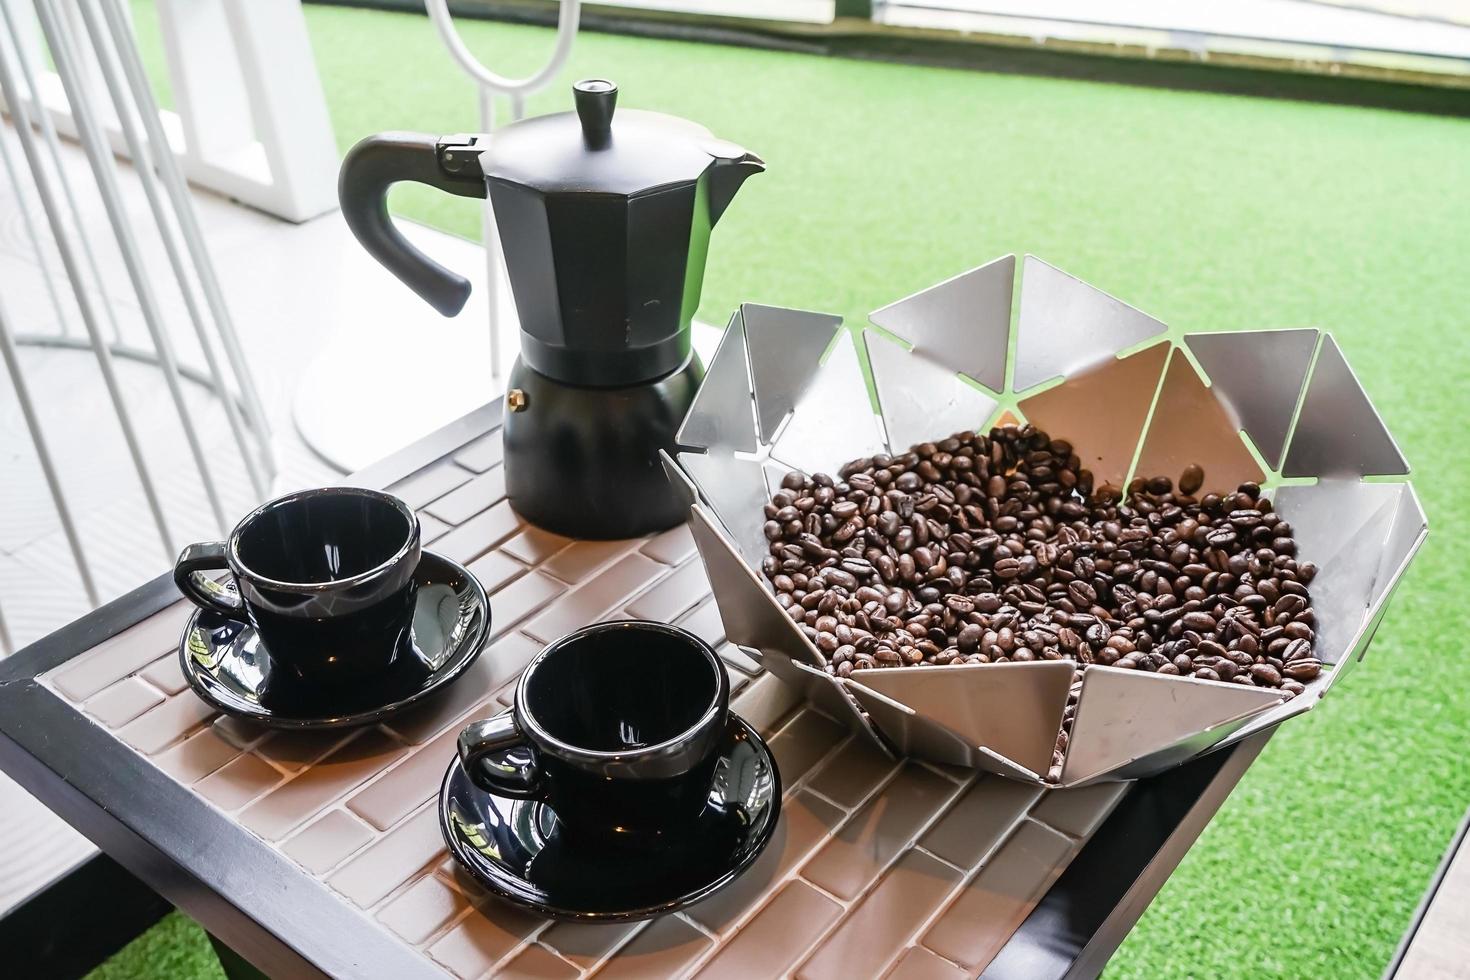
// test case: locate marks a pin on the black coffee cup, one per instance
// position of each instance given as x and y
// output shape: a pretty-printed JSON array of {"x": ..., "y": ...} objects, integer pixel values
[
  {"x": 325, "y": 576},
  {"x": 617, "y": 727}
]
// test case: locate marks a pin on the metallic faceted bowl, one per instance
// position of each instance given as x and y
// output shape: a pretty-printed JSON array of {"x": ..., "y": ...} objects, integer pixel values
[{"x": 785, "y": 390}]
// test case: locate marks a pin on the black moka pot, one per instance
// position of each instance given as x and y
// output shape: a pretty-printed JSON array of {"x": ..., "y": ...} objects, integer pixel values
[{"x": 605, "y": 223}]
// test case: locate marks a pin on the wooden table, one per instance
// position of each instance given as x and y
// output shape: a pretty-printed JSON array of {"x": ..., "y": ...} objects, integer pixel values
[{"x": 319, "y": 853}]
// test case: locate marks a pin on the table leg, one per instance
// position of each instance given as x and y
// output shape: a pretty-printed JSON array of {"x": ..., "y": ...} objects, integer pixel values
[{"x": 236, "y": 967}]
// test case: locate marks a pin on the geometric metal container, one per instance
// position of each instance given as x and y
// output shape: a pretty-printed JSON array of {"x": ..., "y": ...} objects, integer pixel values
[{"x": 785, "y": 390}]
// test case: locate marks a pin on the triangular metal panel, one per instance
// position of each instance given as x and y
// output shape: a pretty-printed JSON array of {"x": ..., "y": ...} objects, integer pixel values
[
  {"x": 1101, "y": 411},
  {"x": 914, "y": 735},
  {"x": 831, "y": 698},
  {"x": 1065, "y": 325},
  {"x": 748, "y": 609},
  {"x": 736, "y": 489},
  {"x": 722, "y": 415},
  {"x": 833, "y": 422},
  {"x": 1341, "y": 526},
  {"x": 1124, "y": 715},
  {"x": 1404, "y": 539},
  {"x": 680, "y": 481},
  {"x": 1181, "y": 751},
  {"x": 919, "y": 400},
  {"x": 1339, "y": 432},
  {"x": 1258, "y": 375},
  {"x": 1189, "y": 426},
  {"x": 1015, "y": 710},
  {"x": 963, "y": 323},
  {"x": 785, "y": 347},
  {"x": 1272, "y": 717}
]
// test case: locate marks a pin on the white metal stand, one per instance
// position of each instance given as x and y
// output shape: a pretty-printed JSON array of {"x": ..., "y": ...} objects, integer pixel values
[{"x": 433, "y": 366}]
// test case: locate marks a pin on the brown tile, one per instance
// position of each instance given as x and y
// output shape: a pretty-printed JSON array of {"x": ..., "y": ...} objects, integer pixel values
[
  {"x": 994, "y": 903},
  {"x": 196, "y": 756},
  {"x": 776, "y": 937},
  {"x": 508, "y": 656},
  {"x": 917, "y": 963},
  {"x": 983, "y": 816},
  {"x": 494, "y": 569},
  {"x": 294, "y": 751},
  {"x": 879, "y": 832},
  {"x": 238, "y": 782},
  {"x": 740, "y": 659},
  {"x": 855, "y": 771},
  {"x": 600, "y": 595},
  {"x": 502, "y": 661},
  {"x": 706, "y": 624},
  {"x": 880, "y": 926},
  {"x": 426, "y": 907},
  {"x": 805, "y": 823},
  {"x": 238, "y": 731},
  {"x": 326, "y": 841},
  {"x": 662, "y": 950},
  {"x": 122, "y": 702},
  {"x": 738, "y": 681},
  {"x": 166, "y": 674},
  {"x": 481, "y": 493},
  {"x": 479, "y": 534},
  {"x": 431, "y": 528},
  {"x": 539, "y": 963},
  {"x": 672, "y": 546},
  {"x": 1078, "y": 811},
  {"x": 519, "y": 599},
  {"x": 391, "y": 860},
  {"x": 124, "y": 654},
  {"x": 673, "y": 596},
  {"x": 277, "y": 813},
  {"x": 479, "y": 940},
  {"x": 765, "y": 702},
  {"x": 430, "y": 483},
  {"x": 159, "y": 727},
  {"x": 413, "y": 781},
  {"x": 801, "y": 742},
  {"x": 483, "y": 453},
  {"x": 577, "y": 563},
  {"x": 534, "y": 545},
  {"x": 583, "y": 944}
]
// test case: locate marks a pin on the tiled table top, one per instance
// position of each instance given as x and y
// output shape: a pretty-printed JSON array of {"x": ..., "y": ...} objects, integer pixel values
[{"x": 879, "y": 867}]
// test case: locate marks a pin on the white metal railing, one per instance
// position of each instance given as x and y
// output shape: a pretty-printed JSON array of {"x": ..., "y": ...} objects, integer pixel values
[
  {"x": 91, "y": 46},
  {"x": 251, "y": 120}
]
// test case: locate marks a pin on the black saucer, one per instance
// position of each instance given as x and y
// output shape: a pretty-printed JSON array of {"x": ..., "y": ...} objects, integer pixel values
[
  {"x": 519, "y": 850},
  {"x": 227, "y": 665}
]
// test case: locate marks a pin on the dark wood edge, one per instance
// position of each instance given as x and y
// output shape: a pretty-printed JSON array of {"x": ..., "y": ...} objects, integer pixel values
[
  {"x": 68, "y": 928},
  {"x": 152, "y": 826},
  {"x": 236, "y": 886},
  {"x": 1083, "y": 918},
  {"x": 864, "y": 40},
  {"x": 1434, "y": 882}
]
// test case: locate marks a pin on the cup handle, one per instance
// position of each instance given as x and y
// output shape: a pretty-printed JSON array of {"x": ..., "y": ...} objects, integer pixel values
[
  {"x": 206, "y": 593},
  {"x": 480, "y": 740}
]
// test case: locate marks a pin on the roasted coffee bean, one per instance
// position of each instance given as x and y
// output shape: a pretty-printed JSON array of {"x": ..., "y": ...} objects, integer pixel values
[
  {"x": 1191, "y": 480},
  {"x": 998, "y": 547}
]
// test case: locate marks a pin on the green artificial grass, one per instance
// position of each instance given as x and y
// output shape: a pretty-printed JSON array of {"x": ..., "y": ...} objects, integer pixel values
[{"x": 1209, "y": 212}]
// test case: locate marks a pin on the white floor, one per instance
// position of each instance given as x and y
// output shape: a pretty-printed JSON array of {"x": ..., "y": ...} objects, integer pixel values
[{"x": 321, "y": 325}]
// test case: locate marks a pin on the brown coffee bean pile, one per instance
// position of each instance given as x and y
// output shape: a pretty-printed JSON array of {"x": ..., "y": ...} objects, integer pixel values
[{"x": 998, "y": 549}]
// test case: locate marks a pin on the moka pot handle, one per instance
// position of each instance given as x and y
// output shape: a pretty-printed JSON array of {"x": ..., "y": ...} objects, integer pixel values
[{"x": 450, "y": 163}]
